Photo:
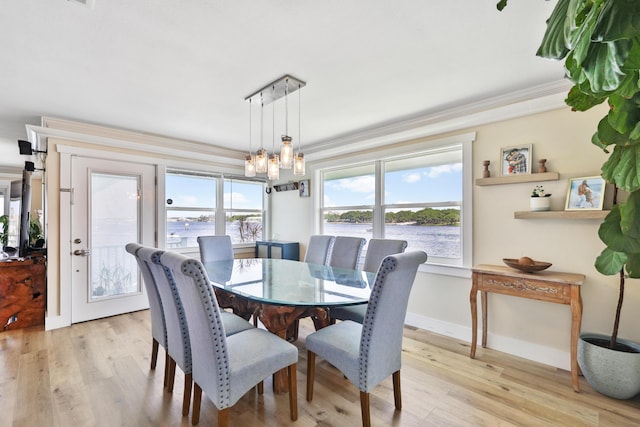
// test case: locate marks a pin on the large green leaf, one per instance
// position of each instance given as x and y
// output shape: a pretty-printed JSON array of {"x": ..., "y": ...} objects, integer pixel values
[
  {"x": 610, "y": 262},
  {"x": 610, "y": 232},
  {"x": 603, "y": 65},
  {"x": 608, "y": 135},
  {"x": 633, "y": 266},
  {"x": 582, "y": 17},
  {"x": 580, "y": 101},
  {"x": 554, "y": 44},
  {"x": 619, "y": 19},
  {"x": 623, "y": 167},
  {"x": 630, "y": 216},
  {"x": 624, "y": 114}
]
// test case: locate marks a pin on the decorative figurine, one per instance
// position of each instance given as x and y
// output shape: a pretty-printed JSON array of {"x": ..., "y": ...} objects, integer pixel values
[
  {"x": 486, "y": 173},
  {"x": 542, "y": 168}
]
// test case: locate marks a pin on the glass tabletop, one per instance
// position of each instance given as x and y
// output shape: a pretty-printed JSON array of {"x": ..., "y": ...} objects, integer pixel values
[{"x": 287, "y": 282}]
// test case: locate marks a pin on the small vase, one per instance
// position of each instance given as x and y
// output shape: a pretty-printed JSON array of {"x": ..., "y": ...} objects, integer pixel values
[{"x": 540, "y": 203}]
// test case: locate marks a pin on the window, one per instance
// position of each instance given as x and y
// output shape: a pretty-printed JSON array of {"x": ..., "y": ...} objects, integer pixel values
[
  {"x": 244, "y": 210},
  {"x": 190, "y": 206},
  {"x": 418, "y": 196},
  {"x": 194, "y": 208}
]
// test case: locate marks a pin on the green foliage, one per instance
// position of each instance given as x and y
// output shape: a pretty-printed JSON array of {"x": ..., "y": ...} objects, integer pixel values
[
  {"x": 427, "y": 216},
  {"x": 600, "y": 43},
  {"x": 4, "y": 235}
]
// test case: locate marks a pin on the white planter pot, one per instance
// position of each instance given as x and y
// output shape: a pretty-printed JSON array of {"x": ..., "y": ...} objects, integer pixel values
[
  {"x": 540, "y": 203},
  {"x": 613, "y": 373}
]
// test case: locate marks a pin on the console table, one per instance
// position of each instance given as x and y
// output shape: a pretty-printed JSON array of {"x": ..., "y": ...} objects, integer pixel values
[
  {"x": 550, "y": 286},
  {"x": 22, "y": 292}
]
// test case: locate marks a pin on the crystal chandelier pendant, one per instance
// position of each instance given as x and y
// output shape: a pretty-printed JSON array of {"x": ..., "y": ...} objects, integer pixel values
[
  {"x": 261, "y": 161},
  {"x": 274, "y": 167},
  {"x": 298, "y": 164},
  {"x": 250, "y": 166},
  {"x": 286, "y": 153}
]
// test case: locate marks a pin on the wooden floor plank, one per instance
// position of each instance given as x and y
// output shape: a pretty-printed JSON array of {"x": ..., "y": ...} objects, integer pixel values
[{"x": 97, "y": 374}]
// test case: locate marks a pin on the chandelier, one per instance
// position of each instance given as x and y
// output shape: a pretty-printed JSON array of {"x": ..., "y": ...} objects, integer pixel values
[{"x": 262, "y": 161}]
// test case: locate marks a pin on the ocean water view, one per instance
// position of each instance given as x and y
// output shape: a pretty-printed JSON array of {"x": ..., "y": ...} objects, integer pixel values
[{"x": 441, "y": 241}]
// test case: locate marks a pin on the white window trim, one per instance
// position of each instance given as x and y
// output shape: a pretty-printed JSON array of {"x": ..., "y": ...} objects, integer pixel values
[{"x": 398, "y": 150}]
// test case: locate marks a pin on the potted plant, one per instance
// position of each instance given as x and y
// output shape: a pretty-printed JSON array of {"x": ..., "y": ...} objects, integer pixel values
[
  {"x": 540, "y": 201},
  {"x": 599, "y": 41}
]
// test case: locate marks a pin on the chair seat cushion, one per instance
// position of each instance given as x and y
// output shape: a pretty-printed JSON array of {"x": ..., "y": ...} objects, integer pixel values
[
  {"x": 339, "y": 345},
  {"x": 233, "y": 323},
  {"x": 246, "y": 370},
  {"x": 352, "y": 312}
]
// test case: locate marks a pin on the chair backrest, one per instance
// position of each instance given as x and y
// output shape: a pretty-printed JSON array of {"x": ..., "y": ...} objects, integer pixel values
[
  {"x": 377, "y": 249},
  {"x": 211, "y": 368},
  {"x": 381, "y": 340},
  {"x": 318, "y": 249},
  {"x": 346, "y": 252},
  {"x": 178, "y": 342},
  {"x": 158, "y": 323},
  {"x": 215, "y": 248}
]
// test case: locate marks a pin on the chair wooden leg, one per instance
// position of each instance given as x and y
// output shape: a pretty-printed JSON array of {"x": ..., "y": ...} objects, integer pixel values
[
  {"x": 261, "y": 388},
  {"x": 172, "y": 374},
  {"x": 223, "y": 417},
  {"x": 293, "y": 391},
  {"x": 311, "y": 368},
  {"x": 364, "y": 408},
  {"x": 186, "y": 398},
  {"x": 197, "y": 399},
  {"x": 397, "y": 396},
  {"x": 154, "y": 353},
  {"x": 166, "y": 369}
]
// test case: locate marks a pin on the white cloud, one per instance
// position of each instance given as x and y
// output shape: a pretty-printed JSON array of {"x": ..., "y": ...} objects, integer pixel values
[
  {"x": 436, "y": 171},
  {"x": 411, "y": 178},
  {"x": 360, "y": 184}
]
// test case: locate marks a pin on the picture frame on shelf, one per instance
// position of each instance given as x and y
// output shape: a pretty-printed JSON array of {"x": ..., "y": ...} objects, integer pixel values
[
  {"x": 516, "y": 160},
  {"x": 585, "y": 193},
  {"x": 304, "y": 189}
]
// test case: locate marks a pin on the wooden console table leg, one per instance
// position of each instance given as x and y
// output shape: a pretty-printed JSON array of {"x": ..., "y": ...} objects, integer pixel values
[
  {"x": 576, "y": 321},
  {"x": 473, "y": 300},
  {"x": 484, "y": 301}
]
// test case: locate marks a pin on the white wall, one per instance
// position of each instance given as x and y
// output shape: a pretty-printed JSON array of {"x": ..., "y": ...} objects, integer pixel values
[{"x": 536, "y": 330}]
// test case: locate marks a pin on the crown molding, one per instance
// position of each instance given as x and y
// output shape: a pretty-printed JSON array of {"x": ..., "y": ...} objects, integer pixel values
[
  {"x": 111, "y": 137},
  {"x": 516, "y": 104}
]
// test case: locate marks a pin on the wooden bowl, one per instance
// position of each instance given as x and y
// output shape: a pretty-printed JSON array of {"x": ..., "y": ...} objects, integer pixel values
[{"x": 527, "y": 268}]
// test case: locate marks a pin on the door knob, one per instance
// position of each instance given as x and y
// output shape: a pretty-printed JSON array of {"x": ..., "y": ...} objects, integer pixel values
[{"x": 82, "y": 252}]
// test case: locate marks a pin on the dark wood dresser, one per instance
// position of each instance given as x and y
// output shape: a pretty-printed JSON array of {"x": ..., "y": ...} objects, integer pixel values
[{"x": 22, "y": 292}]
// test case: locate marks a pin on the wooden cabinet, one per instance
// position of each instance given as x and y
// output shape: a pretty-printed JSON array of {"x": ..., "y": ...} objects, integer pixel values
[
  {"x": 276, "y": 249},
  {"x": 22, "y": 293}
]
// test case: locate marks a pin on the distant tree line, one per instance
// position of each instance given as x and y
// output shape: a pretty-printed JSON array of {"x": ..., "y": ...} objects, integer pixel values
[{"x": 427, "y": 216}]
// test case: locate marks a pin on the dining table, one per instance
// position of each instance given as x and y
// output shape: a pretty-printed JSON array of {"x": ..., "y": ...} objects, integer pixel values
[{"x": 279, "y": 292}]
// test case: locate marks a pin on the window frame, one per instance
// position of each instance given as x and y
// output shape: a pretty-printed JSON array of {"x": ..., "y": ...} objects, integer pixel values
[
  {"x": 218, "y": 210},
  {"x": 397, "y": 152}
]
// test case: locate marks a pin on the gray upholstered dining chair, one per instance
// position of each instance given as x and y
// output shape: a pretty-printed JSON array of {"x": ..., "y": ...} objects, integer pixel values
[
  {"x": 367, "y": 354},
  {"x": 215, "y": 248},
  {"x": 158, "y": 324},
  {"x": 178, "y": 341},
  {"x": 346, "y": 252},
  {"x": 225, "y": 367},
  {"x": 318, "y": 249},
  {"x": 377, "y": 250}
]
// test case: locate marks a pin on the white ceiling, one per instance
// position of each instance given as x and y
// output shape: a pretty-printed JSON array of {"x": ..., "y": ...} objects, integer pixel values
[{"x": 182, "y": 68}]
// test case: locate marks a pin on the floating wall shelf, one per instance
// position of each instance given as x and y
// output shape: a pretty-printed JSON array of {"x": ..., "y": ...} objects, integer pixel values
[
  {"x": 514, "y": 179},
  {"x": 560, "y": 214}
]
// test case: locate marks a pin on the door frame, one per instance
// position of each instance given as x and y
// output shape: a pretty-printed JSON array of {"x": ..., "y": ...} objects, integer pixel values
[{"x": 66, "y": 152}]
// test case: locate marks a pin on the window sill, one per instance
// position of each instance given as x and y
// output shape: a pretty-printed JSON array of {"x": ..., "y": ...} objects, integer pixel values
[{"x": 446, "y": 270}]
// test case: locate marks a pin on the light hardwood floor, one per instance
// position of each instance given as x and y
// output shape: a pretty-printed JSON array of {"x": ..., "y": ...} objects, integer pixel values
[{"x": 97, "y": 374}]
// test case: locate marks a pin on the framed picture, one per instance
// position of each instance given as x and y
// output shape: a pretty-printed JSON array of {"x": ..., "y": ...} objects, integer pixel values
[
  {"x": 303, "y": 187},
  {"x": 515, "y": 160},
  {"x": 585, "y": 193}
]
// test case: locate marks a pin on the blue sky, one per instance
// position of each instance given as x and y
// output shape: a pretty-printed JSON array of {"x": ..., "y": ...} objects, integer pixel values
[{"x": 428, "y": 184}]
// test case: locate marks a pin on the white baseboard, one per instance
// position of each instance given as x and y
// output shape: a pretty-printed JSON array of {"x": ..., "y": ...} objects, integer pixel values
[
  {"x": 535, "y": 352},
  {"x": 56, "y": 322}
]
